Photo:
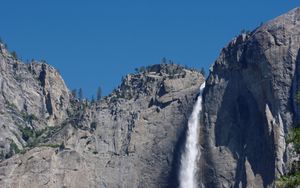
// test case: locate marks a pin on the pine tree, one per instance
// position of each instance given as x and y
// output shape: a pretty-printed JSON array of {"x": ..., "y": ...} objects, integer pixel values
[
  {"x": 80, "y": 94},
  {"x": 74, "y": 93},
  {"x": 298, "y": 97},
  {"x": 202, "y": 71},
  {"x": 99, "y": 93},
  {"x": 164, "y": 60},
  {"x": 14, "y": 54},
  {"x": 142, "y": 69},
  {"x": 93, "y": 100}
]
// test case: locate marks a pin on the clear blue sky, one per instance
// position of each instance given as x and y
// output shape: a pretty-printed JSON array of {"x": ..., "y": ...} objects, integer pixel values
[{"x": 96, "y": 42}]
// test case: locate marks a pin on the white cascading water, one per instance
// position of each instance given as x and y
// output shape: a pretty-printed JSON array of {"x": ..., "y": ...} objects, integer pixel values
[{"x": 191, "y": 153}]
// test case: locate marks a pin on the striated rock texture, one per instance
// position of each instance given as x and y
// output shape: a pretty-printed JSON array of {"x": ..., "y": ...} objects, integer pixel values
[
  {"x": 249, "y": 105},
  {"x": 131, "y": 138},
  {"x": 32, "y": 97}
]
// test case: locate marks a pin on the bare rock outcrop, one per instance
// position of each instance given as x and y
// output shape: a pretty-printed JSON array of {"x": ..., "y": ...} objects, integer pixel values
[
  {"x": 32, "y": 97},
  {"x": 133, "y": 137},
  {"x": 249, "y": 105},
  {"x": 130, "y": 138}
]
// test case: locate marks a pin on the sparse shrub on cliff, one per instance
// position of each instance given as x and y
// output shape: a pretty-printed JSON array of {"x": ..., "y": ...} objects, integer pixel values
[
  {"x": 10, "y": 105},
  {"x": 31, "y": 136},
  {"x": 27, "y": 133},
  {"x": 51, "y": 145},
  {"x": 99, "y": 93},
  {"x": 74, "y": 93},
  {"x": 244, "y": 31},
  {"x": 140, "y": 69},
  {"x": 80, "y": 94},
  {"x": 298, "y": 97},
  {"x": 28, "y": 117},
  {"x": 12, "y": 150},
  {"x": 202, "y": 71},
  {"x": 163, "y": 60},
  {"x": 62, "y": 146},
  {"x": 93, "y": 100},
  {"x": 292, "y": 179},
  {"x": 14, "y": 54},
  {"x": 93, "y": 126},
  {"x": 294, "y": 137}
]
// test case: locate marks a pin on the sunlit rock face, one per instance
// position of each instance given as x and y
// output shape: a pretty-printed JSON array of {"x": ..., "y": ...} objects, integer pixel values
[
  {"x": 249, "y": 105},
  {"x": 32, "y": 95},
  {"x": 131, "y": 138},
  {"x": 135, "y": 136}
]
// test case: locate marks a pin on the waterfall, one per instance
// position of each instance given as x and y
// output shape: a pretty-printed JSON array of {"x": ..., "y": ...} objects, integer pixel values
[{"x": 191, "y": 152}]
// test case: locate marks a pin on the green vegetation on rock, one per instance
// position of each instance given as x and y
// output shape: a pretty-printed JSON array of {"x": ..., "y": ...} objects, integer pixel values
[
  {"x": 28, "y": 117},
  {"x": 289, "y": 181},
  {"x": 14, "y": 148},
  {"x": 292, "y": 179},
  {"x": 298, "y": 97}
]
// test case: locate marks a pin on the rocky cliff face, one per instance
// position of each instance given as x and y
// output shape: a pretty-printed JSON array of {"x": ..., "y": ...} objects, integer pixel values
[
  {"x": 129, "y": 139},
  {"x": 32, "y": 97},
  {"x": 250, "y": 105},
  {"x": 133, "y": 137}
]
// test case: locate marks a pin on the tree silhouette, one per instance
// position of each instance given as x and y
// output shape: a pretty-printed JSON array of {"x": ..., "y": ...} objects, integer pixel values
[
  {"x": 74, "y": 93},
  {"x": 164, "y": 60},
  {"x": 99, "y": 93},
  {"x": 93, "y": 100},
  {"x": 80, "y": 94},
  {"x": 202, "y": 71},
  {"x": 14, "y": 54}
]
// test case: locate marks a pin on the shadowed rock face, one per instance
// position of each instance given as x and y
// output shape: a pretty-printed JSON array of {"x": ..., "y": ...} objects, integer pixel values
[
  {"x": 131, "y": 138},
  {"x": 249, "y": 106}
]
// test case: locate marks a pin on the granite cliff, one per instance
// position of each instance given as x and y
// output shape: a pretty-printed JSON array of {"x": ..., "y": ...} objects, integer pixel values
[
  {"x": 130, "y": 138},
  {"x": 134, "y": 136},
  {"x": 250, "y": 106}
]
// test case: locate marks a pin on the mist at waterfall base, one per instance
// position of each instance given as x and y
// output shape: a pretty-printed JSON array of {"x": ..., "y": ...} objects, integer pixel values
[{"x": 188, "y": 165}]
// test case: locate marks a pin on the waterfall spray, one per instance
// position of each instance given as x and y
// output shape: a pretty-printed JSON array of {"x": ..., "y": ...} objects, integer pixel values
[{"x": 189, "y": 157}]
